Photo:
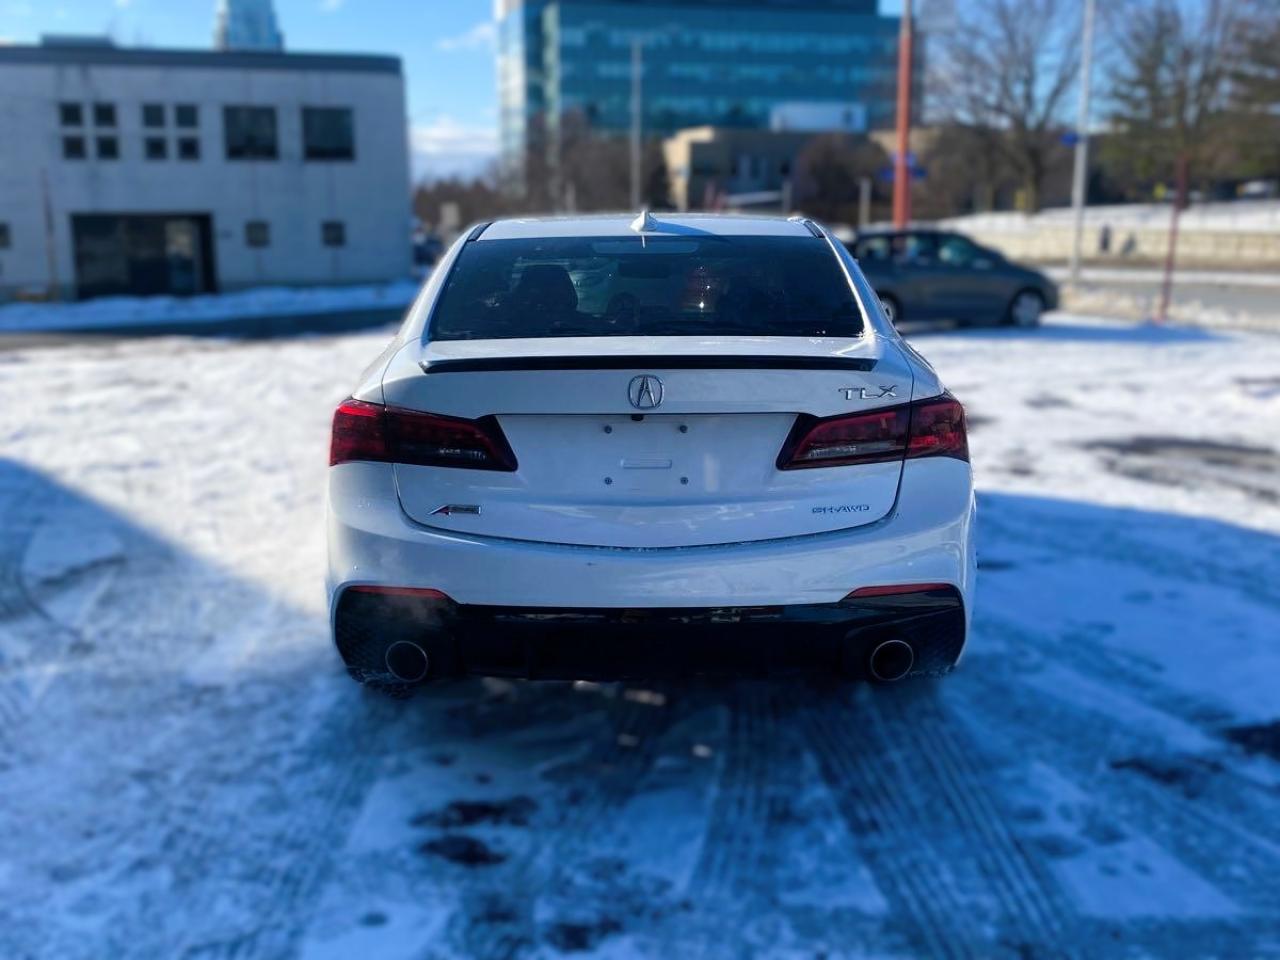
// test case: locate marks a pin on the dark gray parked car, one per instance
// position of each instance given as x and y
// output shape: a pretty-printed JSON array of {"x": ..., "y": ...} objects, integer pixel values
[{"x": 925, "y": 274}]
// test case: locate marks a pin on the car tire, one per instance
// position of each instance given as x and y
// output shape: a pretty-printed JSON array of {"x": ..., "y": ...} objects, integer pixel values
[
  {"x": 892, "y": 309},
  {"x": 1025, "y": 309}
]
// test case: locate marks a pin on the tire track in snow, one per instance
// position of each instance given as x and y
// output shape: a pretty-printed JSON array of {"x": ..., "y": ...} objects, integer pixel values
[
  {"x": 755, "y": 883},
  {"x": 1242, "y": 799},
  {"x": 903, "y": 863},
  {"x": 584, "y": 808},
  {"x": 749, "y": 829},
  {"x": 734, "y": 839},
  {"x": 23, "y": 507},
  {"x": 915, "y": 797},
  {"x": 1210, "y": 841},
  {"x": 324, "y": 800}
]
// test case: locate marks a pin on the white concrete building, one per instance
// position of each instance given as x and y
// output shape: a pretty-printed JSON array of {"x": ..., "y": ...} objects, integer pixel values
[{"x": 173, "y": 171}]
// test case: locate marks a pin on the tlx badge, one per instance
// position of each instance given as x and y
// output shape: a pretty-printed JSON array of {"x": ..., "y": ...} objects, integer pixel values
[{"x": 869, "y": 393}]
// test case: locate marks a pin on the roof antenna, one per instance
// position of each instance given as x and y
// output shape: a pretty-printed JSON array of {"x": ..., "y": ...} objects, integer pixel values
[{"x": 645, "y": 223}]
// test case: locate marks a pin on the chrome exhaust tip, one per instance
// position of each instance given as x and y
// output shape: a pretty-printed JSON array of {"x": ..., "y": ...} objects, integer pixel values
[
  {"x": 891, "y": 660},
  {"x": 407, "y": 662}
]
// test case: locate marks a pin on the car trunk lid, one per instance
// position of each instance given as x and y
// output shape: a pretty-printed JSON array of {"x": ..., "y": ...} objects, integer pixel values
[{"x": 648, "y": 442}]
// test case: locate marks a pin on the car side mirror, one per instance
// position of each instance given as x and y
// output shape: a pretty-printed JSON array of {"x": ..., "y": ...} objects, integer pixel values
[{"x": 983, "y": 263}]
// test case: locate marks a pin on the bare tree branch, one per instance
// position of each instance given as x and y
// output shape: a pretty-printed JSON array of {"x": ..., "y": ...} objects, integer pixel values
[{"x": 1006, "y": 67}]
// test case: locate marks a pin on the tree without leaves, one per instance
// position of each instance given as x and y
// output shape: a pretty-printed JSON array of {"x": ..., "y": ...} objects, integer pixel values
[
  {"x": 477, "y": 198},
  {"x": 1003, "y": 69},
  {"x": 964, "y": 174},
  {"x": 827, "y": 175},
  {"x": 590, "y": 173},
  {"x": 1255, "y": 88},
  {"x": 1169, "y": 87},
  {"x": 595, "y": 168}
]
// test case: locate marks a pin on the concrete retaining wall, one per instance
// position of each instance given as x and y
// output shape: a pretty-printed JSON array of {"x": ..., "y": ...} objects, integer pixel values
[
  {"x": 1242, "y": 235},
  {"x": 1204, "y": 249}
]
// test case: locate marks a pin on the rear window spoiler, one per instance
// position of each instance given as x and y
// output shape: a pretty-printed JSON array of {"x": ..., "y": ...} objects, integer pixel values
[{"x": 658, "y": 362}]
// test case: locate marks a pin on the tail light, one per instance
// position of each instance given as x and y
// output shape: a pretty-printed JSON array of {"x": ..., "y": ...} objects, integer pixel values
[
  {"x": 926, "y": 428},
  {"x": 897, "y": 590},
  {"x": 373, "y": 432},
  {"x": 417, "y": 593}
]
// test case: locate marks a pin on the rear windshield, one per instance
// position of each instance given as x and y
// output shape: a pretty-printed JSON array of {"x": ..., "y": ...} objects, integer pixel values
[{"x": 651, "y": 286}]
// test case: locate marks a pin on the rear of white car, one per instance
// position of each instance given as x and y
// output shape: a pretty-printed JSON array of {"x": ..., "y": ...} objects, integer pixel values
[{"x": 603, "y": 449}]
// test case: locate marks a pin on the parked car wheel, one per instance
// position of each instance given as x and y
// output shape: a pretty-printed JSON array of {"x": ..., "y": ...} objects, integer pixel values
[
  {"x": 1026, "y": 309},
  {"x": 892, "y": 311}
]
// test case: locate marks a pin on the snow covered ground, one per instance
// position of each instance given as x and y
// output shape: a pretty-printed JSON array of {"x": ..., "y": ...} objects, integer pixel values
[
  {"x": 114, "y": 313},
  {"x": 185, "y": 771}
]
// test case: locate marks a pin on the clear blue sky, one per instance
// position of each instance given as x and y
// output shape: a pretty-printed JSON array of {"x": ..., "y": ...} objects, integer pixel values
[{"x": 446, "y": 46}]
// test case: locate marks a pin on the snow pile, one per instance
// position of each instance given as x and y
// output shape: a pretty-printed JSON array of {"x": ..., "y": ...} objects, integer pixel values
[
  {"x": 107, "y": 313},
  {"x": 1142, "y": 305},
  {"x": 1247, "y": 216}
]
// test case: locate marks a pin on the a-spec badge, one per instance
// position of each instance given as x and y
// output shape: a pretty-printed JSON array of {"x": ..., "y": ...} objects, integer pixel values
[
  {"x": 645, "y": 391},
  {"x": 449, "y": 509}
]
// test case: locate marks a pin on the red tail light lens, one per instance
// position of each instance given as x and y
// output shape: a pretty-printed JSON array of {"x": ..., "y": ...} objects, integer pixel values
[
  {"x": 937, "y": 429},
  {"x": 876, "y": 437},
  {"x": 370, "y": 431},
  {"x": 359, "y": 433},
  {"x": 897, "y": 590},
  {"x": 418, "y": 593},
  {"x": 927, "y": 428}
]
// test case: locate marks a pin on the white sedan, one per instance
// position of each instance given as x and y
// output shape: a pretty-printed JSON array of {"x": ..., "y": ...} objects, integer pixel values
[{"x": 723, "y": 461}]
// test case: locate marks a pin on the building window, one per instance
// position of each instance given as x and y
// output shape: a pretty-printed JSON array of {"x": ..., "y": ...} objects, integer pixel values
[
  {"x": 153, "y": 115},
  {"x": 333, "y": 233},
  {"x": 257, "y": 233},
  {"x": 185, "y": 115},
  {"x": 250, "y": 133},
  {"x": 5, "y": 239},
  {"x": 71, "y": 114},
  {"x": 188, "y": 148},
  {"x": 108, "y": 148},
  {"x": 73, "y": 148},
  {"x": 328, "y": 133},
  {"x": 157, "y": 148},
  {"x": 104, "y": 114}
]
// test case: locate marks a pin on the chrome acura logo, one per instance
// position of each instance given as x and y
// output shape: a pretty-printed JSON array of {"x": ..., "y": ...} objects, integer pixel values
[{"x": 645, "y": 392}]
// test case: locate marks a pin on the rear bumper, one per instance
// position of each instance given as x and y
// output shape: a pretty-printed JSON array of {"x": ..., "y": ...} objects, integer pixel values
[
  {"x": 927, "y": 538},
  {"x": 612, "y": 644}
]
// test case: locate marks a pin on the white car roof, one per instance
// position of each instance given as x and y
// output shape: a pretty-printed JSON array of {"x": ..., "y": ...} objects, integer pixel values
[{"x": 619, "y": 225}]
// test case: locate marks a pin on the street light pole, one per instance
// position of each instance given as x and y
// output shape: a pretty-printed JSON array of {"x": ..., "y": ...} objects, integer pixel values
[
  {"x": 1080, "y": 174},
  {"x": 1171, "y": 253},
  {"x": 901, "y": 168},
  {"x": 637, "y": 66}
]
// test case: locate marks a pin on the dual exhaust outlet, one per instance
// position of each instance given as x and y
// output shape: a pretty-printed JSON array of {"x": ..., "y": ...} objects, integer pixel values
[
  {"x": 890, "y": 660},
  {"x": 407, "y": 662}
]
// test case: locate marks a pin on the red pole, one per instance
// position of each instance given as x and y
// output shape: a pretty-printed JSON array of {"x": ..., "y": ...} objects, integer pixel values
[
  {"x": 1179, "y": 201},
  {"x": 901, "y": 169}
]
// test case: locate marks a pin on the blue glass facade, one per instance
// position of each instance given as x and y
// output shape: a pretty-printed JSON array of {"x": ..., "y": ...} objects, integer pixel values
[{"x": 716, "y": 62}]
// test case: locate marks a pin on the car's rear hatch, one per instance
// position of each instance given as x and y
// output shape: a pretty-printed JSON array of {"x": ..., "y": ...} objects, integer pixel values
[{"x": 700, "y": 467}]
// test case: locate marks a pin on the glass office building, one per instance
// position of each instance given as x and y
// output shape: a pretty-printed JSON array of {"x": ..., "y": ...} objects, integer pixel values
[{"x": 727, "y": 63}]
